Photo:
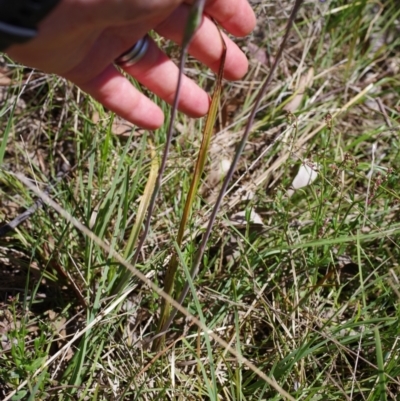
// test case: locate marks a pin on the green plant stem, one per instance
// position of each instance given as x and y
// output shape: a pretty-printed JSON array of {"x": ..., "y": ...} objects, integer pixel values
[
  {"x": 192, "y": 24},
  {"x": 198, "y": 171},
  {"x": 239, "y": 150}
]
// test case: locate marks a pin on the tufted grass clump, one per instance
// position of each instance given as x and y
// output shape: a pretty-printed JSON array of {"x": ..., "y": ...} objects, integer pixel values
[{"x": 300, "y": 280}]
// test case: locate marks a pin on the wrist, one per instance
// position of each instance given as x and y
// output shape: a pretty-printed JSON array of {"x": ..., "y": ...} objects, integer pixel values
[{"x": 19, "y": 19}]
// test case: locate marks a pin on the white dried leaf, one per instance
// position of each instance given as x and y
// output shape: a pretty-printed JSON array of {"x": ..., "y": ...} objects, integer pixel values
[
  {"x": 225, "y": 166},
  {"x": 218, "y": 173},
  {"x": 240, "y": 218},
  {"x": 305, "y": 82},
  {"x": 307, "y": 174}
]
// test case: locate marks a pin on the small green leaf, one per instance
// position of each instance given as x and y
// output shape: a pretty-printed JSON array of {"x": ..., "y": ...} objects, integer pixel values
[{"x": 19, "y": 395}]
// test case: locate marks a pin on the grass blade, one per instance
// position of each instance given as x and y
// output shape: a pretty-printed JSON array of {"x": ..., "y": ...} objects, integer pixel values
[
  {"x": 145, "y": 280},
  {"x": 191, "y": 26},
  {"x": 381, "y": 365},
  {"x": 239, "y": 150},
  {"x": 141, "y": 213},
  {"x": 198, "y": 171}
]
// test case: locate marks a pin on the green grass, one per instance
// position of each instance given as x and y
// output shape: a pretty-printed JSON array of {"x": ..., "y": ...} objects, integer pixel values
[{"x": 311, "y": 297}]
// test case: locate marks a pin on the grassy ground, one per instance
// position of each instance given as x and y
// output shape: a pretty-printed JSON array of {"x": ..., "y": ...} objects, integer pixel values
[{"x": 309, "y": 291}]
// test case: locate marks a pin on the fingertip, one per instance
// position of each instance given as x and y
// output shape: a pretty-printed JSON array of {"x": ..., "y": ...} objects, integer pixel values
[
  {"x": 248, "y": 22},
  {"x": 156, "y": 121},
  {"x": 236, "y": 63},
  {"x": 198, "y": 106},
  {"x": 143, "y": 113},
  {"x": 117, "y": 94},
  {"x": 236, "y": 67},
  {"x": 236, "y": 16}
]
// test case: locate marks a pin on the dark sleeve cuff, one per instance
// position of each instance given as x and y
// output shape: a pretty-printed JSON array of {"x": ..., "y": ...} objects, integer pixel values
[
  {"x": 10, "y": 34},
  {"x": 19, "y": 19}
]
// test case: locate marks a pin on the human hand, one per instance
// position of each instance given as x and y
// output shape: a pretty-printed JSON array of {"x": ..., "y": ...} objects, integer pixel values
[{"x": 81, "y": 39}]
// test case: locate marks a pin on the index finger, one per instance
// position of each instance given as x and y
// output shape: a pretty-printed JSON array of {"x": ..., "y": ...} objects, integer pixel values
[{"x": 236, "y": 16}]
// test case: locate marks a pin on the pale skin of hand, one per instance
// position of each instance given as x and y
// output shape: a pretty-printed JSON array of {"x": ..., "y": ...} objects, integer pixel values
[{"x": 80, "y": 39}]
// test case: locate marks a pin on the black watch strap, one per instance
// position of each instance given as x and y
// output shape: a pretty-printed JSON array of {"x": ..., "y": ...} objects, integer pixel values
[{"x": 19, "y": 19}]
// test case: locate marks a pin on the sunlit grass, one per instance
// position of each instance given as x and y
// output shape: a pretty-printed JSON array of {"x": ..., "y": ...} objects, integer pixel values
[{"x": 310, "y": 296}]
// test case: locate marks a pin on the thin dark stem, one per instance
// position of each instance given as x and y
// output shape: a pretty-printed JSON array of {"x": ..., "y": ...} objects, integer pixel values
[
  {"x": 239, "y": 150},
  {"x": 190, "y": 29}
]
